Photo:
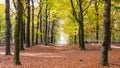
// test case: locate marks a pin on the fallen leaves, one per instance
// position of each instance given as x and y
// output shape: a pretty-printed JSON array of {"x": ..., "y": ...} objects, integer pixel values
[{"x": 41, "y": 56}]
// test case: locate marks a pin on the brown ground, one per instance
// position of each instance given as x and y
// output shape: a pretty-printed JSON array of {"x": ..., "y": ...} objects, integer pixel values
[{"x": 70, "y": 56}]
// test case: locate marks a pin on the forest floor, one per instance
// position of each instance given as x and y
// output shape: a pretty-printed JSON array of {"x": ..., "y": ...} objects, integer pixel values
[{"x": 66, "y": 56}]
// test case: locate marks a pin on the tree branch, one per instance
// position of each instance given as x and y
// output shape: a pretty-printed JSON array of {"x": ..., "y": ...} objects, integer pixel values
[
  {"x": 73, "y": 10},
  {"x": 88, "y": 5}
]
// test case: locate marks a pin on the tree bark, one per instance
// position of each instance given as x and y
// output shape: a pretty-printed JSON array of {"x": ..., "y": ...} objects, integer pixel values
[
  {"x": 17, "y": 33},
  {"x": 37, "y": 28},
  {"x": 107, "y": 38},
  {"x": 97, "y": 24},
  {"x": 32, "y": 23},
  {"x": 41, "y": 31},
  {"x": 8, "y": 27},
  {"x": 21, "y": 37},
  {"x": 28, "y": 24},
  {"x": 46, "y": 25},
  {"x": 52, "y": 32}
]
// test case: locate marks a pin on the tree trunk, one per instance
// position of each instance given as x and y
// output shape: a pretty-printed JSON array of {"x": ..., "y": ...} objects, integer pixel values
[
  {"x": 21, "y": 28},
  {"x": 81, "y": 26},
  {"x": 106, "y": 41},
  {"x": 28, "y": 24},
  {"x": 80, "y": 19},
  {"x": 37, "y": 28},
  {"x": 75, "y": 39},
  {"x": 24, "y": 27},
  {"x": 17, "y": 33},
  {"x": 97, "y": 24},
  {"x": 32, "y": 23},
  {"x": 46, "y": 25},
  {"x": 81, "y": 36},
  {"x": 8, "y": 27},
  {"x": 52, "y": 32},
  {"x": 41, "y": 31}
]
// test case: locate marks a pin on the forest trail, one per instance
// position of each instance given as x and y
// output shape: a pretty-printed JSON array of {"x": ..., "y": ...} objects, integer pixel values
[
  {"x": 57, "y": 46},
  {"x": 51, "y": 56}
]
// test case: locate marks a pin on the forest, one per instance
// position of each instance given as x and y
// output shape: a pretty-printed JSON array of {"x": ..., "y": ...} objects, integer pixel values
[{"x": 59, "y": 34}]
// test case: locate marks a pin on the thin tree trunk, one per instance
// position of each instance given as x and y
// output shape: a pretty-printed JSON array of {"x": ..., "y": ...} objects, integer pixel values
[
  {"x": 41, "y": 36},
  {"x": 32, "y": 23},
  {"x": 46, "y": 25},
  {"x": 8, "y": 27},
  {"x": 28, "y": 24},
  {"x": 21, "y": 29},
  {"x": 52, "y": 32},
  {"x": 97, "y": 24},
  {"x": 75, "y": 39},
  {"x": 37, "y": 28},
  {"x": 106, "y": 40},
  {"x": 24, "y": 28}
]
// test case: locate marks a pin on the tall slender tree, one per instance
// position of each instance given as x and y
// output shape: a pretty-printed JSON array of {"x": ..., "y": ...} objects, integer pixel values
[
  {"x": 17, "y": 32},
  {"x": 37, "y": 35},
  {"x": 46, "y": 23},
  {"x": 32, "y": 22},
  {"x": 8, "y": 26},
  {"x": 28, "y": 24},
  {"x": 97, "y": 24},
  {"x": 21, "y": 37},
  {"x": 41, "y": 31},
  {"x": 107, "y": 32},
  {"x": 53, "y": 31}
]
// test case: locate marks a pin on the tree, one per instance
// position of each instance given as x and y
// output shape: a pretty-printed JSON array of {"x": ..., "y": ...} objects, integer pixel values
[
  {"x": 79, "y": 16},
  {"x": 37, "y": 28},
  {"x": 32, "y": 22},
  {"x": 46, "y": 24},
  {"x": 28, "y": 24},
  {"x": 8, "y": 26},
  {"x": 107, "y": 32},
  {"x": 17, "y": 32},
  {"x": 97, "y": 24},
  {"x": 41, "y": 7},
  {"x": 21, "y": 37},
  {"x": 53, "y": 31}
]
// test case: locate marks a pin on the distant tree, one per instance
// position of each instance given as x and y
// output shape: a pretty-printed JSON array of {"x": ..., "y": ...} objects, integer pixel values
[
  {"x": 21, "y": 37},
  {"x": 8, "y": 27},
  {"x": 107, "y": 32},
  {"x": 46, "y": 24},
  {"x": 37, "y": 35},
  {"x": 32, "y": 22},
  {"x": 41, "y": 17},
  {"x": 17, "y": 32},
  {"x": 28, "y": 25},
  {"x": 53, "y": 31},
  {"x": 97, "y": 23}
]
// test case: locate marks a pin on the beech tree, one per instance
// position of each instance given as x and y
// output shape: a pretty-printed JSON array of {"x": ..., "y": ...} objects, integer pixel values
[
  {"x": 28, "y": 25},
  {"x": 79, "y": 16},
  {"x": 8, "y": 27},
  {"x": 32, "y": 22},
  {"x": 17, "y": 32},
  {"x": 107, "y": 32},
  {"x": 46, "y": 23}
]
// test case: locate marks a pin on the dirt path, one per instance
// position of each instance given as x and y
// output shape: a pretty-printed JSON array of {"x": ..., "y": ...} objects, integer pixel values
[
  {"x": 60, "y": 57},
  {"x": 115, "y": 47}
]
